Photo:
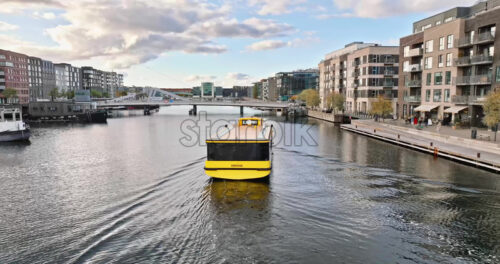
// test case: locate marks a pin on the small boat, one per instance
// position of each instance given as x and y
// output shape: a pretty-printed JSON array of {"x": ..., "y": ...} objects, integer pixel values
[
  {"x": 12, "y": 127},
  {"x": 243, "y": 152}
]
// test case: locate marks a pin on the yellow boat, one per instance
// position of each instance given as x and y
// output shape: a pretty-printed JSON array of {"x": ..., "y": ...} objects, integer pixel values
[{"x": 242, "y": 152}]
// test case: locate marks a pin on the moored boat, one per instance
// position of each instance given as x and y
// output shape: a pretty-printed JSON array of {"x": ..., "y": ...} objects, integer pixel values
[
  {"x": 243, "y": 152},
  {"x": 12, "y": 127}
]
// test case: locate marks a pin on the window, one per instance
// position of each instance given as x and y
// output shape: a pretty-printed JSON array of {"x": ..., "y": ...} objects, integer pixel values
[
  {"x": 438, "y": 23},
  {"x": 449, "y": 59},
  {"x": 441, "y": 43},
  {"x": 429, "y": 78},
  {"x": 447, "y": 95},
  {"x": 438, "y": 78},
  {"x": 427, "y": 95},
  {"x": 440, "y": 61},
  {"x": 447, "y": 79},
  {"x": 450, "y": 41},
  {"x": 429, "y": 46},
  {"x": 437, "y": 96},
  {"x": 448, "y": 19},
  {"x": 498, "y": 75},
  {"x": 428, "y": 63}
]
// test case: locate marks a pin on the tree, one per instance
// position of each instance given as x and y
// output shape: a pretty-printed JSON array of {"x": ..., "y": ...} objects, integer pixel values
[
  {"x": 70, "y": 94},
  {"x": 335, "y": 102},
  {"x": 255, "y": 91},
  {"x": 105, "y": 95},
  {"x": 9, "y": 93},
  {"x": 491, "y": 109},
  {"x": 54, "y": 93},
  {"x": 95, "y": 94},
  {"x": 310, "y": 97},
  {"x": 382, "y": 107}
]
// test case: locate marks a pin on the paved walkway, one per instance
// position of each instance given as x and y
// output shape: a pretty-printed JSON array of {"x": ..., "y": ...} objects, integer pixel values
[
  {"x": 449, "y": 131},
  {"x": 485, "y": 157}
]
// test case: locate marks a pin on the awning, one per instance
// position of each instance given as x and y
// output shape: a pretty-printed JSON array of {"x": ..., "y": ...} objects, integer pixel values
[
  {"x": 425, "y": 108},
  {"x": 455, "y": 109}
]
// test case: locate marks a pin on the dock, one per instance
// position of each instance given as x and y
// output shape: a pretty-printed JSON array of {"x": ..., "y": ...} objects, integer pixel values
[{"x": 470, "y": 152}]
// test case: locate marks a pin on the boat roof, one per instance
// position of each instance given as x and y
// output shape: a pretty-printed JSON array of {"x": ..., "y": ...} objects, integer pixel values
[{"x": 243, "y": 132}]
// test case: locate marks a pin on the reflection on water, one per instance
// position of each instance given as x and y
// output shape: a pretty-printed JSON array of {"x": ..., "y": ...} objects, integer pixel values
[
  {"x": 129, "y": 192},
  {"x": 231, "y": 195}
]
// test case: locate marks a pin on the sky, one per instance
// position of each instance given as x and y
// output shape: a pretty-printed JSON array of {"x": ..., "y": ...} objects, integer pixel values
[{"x": 180, "y": 43}]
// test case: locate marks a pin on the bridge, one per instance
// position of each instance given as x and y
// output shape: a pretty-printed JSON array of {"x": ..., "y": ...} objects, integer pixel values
[{"x": 148, "y": 105}]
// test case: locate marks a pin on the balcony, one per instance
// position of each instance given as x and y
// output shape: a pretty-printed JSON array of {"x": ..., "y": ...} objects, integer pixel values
[
  {"x": 415, "y": 52},
  {"x": 2, "y": 73},
  {"x": 467, "y": 99},
  {"x": 414, "y": 83},
  {"x": 474, "y": 60},
  {"x": 473, "y": 80},
  {"x": 389, "y": 61},
  {"x": 356, "y": 63},
  {"x": 355, "y": 74},
  {"x": 413, "y": 68},
  {"x": 355, "y": 85},
  {"x": 388, "y": 84},
  {"x": 6, "y": 64},
  {"x": 389, "y": 73},
  {"x": 465, "y": 42},
  {"x": 482, "y": 38},
  {"x": 485, "y": 38},
  {"x": 413, "y": 99}
]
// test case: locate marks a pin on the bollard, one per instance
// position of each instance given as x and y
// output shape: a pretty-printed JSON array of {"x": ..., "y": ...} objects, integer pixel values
[
  {"x": 432, "y": 144},
  {"x": 356, "y": 126},
  {"x": 374, "y": 131},
  {"x": 478, "y": 155},
  {"x": 399, "y": 136}
]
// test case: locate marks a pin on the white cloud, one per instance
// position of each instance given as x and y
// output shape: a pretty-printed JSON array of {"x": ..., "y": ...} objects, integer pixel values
[
  {"x": 275, "y": 7},
  {"x": 7, "y": 27},
  {"x": 44, "y": 15},
  {"x": 125, "y": 33},
  {"x": 197, "y": 79},
  {"x": 235, "y": 78},
  {"x": 386, "y": 8},
  {"x": 267, "y": 45}
]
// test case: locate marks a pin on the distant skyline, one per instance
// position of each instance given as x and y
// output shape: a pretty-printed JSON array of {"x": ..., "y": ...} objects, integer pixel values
[{"x": 180, "y": 43}]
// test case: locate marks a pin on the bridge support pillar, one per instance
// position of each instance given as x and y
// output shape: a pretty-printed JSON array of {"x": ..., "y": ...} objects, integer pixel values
[{"x": 241, "y": 110}]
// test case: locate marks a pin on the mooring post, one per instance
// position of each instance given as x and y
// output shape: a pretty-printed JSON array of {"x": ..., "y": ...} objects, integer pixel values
[
  {"x": 195, "y": 110},
  {"x": 241, "y": 110}
]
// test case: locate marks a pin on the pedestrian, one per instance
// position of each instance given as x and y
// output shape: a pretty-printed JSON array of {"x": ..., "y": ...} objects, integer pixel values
[{"x": 438, "y": 126}]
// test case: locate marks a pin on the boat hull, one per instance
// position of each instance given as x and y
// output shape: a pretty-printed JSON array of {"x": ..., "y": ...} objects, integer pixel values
[
  {"x": 238, "y": 170},
  {"x": 21, "y": 135}
]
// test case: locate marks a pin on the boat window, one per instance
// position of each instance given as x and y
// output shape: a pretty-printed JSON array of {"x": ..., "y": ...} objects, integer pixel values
[{"x": 238, "y": 151}]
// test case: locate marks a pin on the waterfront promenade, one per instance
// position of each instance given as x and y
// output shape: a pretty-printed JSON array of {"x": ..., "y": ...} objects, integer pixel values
[{"x": 482, "y": 154}]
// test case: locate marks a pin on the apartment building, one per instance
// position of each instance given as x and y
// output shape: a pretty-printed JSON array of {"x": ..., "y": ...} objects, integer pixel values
[
  {"x": 449, "y": 64},
  {"x": 14, "y": 75},
  {"x": 42, "y": 78},
  {"x": 371, "y": 72},
  {"x": 270, "y": 89},
  {"x": 361, "y": 72},
  {"x": 293, "y": 83},
  {"x": 68, "y": 78}
]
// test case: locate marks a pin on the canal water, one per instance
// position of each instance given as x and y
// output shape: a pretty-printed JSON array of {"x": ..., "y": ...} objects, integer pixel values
[{"x": 131, "y": 192}]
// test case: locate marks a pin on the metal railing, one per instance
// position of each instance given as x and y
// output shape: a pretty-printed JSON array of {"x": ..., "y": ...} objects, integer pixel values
[
  {"x": 413, "y": 68},
  {"x": 414, "y": 83},
  {"x": 390, "y": 72},
  {"x": 473, "y": 80},
  {"x": 474, "y": 60},
  {"x": 388, "y": 84},
  {"x": 468, "y": 99},
  {"x": 481, "y": 38},
  {"x": 413, "y": 99},
  {"x": 485, "y": 37}
]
